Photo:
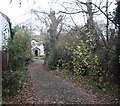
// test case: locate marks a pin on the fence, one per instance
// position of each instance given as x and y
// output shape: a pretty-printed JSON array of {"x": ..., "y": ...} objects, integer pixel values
[{"x": 4, "y": 60}]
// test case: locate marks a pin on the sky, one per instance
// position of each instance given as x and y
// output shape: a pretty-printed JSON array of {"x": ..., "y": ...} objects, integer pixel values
[{"x": 18, "y": 14}]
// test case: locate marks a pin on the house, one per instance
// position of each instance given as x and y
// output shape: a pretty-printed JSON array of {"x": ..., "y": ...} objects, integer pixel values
[
  {"x": 5, "y": 34},
  {"x": 37, "y": 48}
]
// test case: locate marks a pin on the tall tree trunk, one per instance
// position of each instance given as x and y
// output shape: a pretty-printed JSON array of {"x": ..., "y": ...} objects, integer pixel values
[
  {"x": 117, "y": 58},
  {"x": 107, "y": 23},
  {"x": 90, "y": 16}
]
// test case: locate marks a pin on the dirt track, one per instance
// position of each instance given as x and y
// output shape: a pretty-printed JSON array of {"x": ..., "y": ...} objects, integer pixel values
[{"x": 48, "y": 89}]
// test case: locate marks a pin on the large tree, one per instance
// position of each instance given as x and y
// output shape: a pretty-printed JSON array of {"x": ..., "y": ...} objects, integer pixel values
[{"x": 117, "y": 59}]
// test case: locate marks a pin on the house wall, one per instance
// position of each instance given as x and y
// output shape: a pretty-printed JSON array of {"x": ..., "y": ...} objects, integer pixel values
[
  {"x": 0, "y": 77},
  {"x": 42, "y": 50},
  {"x": 0, "y": 60},
  {"x": 0, "y": 32},
  {"x": 35, "y": 44},
  {"x": 5, "y": 31},
  {"x": 4, "y": 35},
  {"x": 0, "y": 43}
]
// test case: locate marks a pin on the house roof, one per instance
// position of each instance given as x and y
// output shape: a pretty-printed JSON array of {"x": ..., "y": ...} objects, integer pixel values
[
  {"x": 5, "y": 16},
  {"x": 36, "y": 47},
  {"x": 34, "y": 40},
  {"x": 8, "y": 20},
  {"x": 37, "y": 38}
]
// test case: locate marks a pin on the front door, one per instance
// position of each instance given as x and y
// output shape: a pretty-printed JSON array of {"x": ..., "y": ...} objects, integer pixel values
[{"x": 36, "y": 53}]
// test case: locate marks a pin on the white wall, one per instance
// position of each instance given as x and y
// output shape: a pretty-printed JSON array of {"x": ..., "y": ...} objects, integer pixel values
[
  {"x": 0, "y": 32},
  {"x": 4, "y": 24},
  {"x": 42, "y": 50},
  {"x": 36, "y": 44}
]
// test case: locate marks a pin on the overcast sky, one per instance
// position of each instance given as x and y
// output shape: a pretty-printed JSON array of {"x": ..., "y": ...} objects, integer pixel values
[{"x": 18, "y": 15}]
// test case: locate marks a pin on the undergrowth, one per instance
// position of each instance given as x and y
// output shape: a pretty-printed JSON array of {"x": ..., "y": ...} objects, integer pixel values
[{"x": 105, "y": 91}]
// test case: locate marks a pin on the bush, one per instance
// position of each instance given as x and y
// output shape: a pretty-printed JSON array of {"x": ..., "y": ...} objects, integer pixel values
[
  {"x": 13, "y": 81},
  {"x": 52, "y": 60},
  {"x": 18, "y": 50},
  {"x": 82, "y": 59},
  {"x": 19, "y": 54}
]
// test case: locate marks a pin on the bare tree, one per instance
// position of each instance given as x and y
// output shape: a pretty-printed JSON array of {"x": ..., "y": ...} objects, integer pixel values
[{"x": 54, "y": 24}]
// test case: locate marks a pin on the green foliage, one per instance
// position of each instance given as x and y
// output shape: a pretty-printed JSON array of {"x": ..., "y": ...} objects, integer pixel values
[
  {"x": 13, "y": 81},
  {"x": 52, "y": 60},
  {"x": 86, "y": 51},
  {"x": 18, "y": 51},
  {"x": 19, "y": 54},
  {"x": 82, "y": 59}
]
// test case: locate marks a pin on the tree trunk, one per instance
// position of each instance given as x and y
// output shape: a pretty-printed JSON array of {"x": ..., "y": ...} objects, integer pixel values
[{"x": 117, "y": 50}]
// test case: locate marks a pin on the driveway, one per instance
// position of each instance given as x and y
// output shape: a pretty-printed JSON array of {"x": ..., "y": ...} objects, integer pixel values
[{"x": 48, "y": 89}]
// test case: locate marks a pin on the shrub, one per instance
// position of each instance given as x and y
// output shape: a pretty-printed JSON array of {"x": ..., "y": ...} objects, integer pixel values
[
  {"x": 19, "y": 53},
  {"x": 52, "y": 60}
]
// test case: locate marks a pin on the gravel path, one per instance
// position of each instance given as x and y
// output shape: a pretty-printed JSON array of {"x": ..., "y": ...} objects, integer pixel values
[{"x": 49, "y": 89}]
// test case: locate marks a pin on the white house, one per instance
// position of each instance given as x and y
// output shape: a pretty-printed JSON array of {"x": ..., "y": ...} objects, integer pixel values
[
  {"x": 4, "y": 30},
  {"x": 5, "y": 33},
  {"x": 37, "y": 48}
]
